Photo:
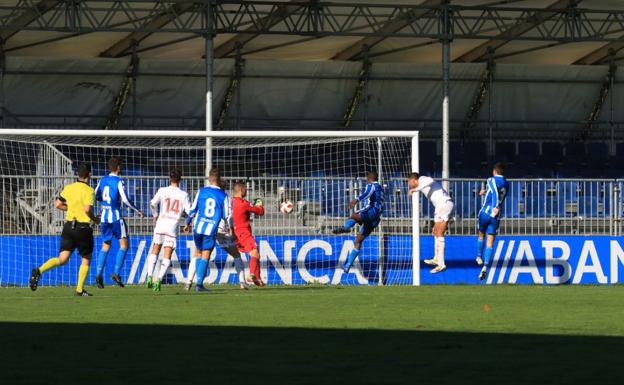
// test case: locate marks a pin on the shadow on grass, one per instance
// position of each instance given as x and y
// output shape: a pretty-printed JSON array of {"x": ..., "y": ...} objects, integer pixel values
[{"x": 43, "y": 353}]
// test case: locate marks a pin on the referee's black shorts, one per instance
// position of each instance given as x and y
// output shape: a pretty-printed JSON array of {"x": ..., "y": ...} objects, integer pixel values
[{"x": 78, "y": 236}]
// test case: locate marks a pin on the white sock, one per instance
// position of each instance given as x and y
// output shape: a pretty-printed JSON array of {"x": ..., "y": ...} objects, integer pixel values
[
  {"x": 164, "y": 265},
  {"x": 151, "y": 264},
  {"x": 191, "y": 270},
  {"x": 440, "y": 244},
  {"x": 240, "y": 269}
]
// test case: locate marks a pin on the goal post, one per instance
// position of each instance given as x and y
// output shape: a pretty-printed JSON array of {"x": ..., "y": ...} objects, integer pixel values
[{"x": 319, "y": 172}]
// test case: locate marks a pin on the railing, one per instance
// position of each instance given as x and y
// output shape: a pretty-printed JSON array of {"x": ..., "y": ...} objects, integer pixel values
[{"x": 536, "y": 206}]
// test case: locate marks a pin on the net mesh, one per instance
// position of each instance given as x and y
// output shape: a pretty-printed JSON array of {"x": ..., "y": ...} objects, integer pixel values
[{"x": 319, "y": 176}]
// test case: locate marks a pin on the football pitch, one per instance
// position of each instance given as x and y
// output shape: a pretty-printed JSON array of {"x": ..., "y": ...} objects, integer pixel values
[{"x": 314, "y": 335}]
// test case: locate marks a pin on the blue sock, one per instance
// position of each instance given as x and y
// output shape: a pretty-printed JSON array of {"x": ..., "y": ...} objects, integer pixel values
[
  {"x": 351, "y": 258},
  {"x": 202, "y": 267},
  {"x": 349, "y": 223},
  {"x": 121, "y": 255},
  {"x": 487, "y": 255},
  {"x": 101, "y": 261},
  {"x": 480, "y": 244}
]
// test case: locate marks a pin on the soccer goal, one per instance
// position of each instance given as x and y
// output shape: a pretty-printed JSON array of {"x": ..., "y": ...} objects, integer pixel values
[{"x": 305, "y": 179}]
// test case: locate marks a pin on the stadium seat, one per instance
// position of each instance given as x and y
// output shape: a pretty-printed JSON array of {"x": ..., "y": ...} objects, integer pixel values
[
  {"x": 552, "y": 153},
  {"x": 505, "y": 152},
  {"x": 588, "y": 207},
  {"x": 528, "y": 148},
  {"x": 598, "y": 154},
  {"x": 475, "y": 154},
  {"x": 514, "y": 199}
]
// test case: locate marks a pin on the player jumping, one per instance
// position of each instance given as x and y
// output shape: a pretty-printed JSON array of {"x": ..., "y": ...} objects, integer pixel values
[
  {"x": 167, "y": 206},
  {"x": 208, "y": 209},
  {"x": 368, "y": 217},
  {"x": 241, "y": 214},
  {"x": 111, "y": 193},
  {"x": 226, "y": 241},
  {"x": 444, "y": 206},
  {"x": 489, "y": 216}
]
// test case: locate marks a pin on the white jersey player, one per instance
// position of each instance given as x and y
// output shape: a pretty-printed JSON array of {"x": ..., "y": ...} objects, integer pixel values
[
  {"x": 226, "y": 241},
  {"x": 167, "y": 206},
  {"x": 441, "y": 200}
]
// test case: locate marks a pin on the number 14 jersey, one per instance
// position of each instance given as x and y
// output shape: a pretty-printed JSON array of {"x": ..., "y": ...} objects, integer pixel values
[{"x": 168, "y": 205}]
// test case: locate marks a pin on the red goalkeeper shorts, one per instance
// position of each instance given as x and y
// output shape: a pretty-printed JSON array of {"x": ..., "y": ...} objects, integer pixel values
[{"x": 245, "y": 242}]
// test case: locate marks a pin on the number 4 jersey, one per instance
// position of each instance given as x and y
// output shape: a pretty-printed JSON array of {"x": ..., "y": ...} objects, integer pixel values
[
  {"x": 211, "y": 205},
  {"x": 168, "y": 205}
]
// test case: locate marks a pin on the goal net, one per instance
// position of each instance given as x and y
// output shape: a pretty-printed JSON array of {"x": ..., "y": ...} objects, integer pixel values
[{"x": 318, "y": 173}]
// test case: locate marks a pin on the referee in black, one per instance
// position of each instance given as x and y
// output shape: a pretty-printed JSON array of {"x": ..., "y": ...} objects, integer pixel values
[{"x": 77, "y": 200}]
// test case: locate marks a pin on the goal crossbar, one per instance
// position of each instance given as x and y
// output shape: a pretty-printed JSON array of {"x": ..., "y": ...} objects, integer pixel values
[{"x": 206, "y": 134}]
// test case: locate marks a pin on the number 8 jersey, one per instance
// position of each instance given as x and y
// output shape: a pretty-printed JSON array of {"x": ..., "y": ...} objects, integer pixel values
[
  {"x": 209, "y": 208},
  {"x": 168, "y": 205}
]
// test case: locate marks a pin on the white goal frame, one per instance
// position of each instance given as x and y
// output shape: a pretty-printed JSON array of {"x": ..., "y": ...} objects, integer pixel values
[{"x": 208, "y": 135}]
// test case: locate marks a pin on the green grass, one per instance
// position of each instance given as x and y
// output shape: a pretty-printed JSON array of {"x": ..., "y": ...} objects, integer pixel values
[{"x": 314, "y": 335}]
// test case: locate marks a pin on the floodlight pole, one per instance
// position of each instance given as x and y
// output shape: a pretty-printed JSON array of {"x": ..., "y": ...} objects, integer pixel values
[
  {"x": 209, "y": 84},
  {"x": 446, "y": 74}
]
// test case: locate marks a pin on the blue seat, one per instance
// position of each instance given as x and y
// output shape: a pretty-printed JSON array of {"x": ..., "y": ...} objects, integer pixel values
[
  {"x": 335, "y": 197},
  {"x": 535, "y": 207},
  {"x": 588, "y": 207},
  {"x": 505, "y": 152},
  {"x": 515, "y": 197},
  {"x": 465, "y": 196},
  {"x": 528, "y": 148},
  {"x": 552, "y": 152},
  {"x": 568, "y": 190},
  {"x": 311, "y": 190}
]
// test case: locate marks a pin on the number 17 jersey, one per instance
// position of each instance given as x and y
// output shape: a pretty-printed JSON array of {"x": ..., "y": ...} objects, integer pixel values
[{"x": 168, "y": 205}]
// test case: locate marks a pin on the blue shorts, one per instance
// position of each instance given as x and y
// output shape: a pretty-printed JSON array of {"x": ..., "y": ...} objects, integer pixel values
[
  {"x": 487, "y": 224},
  {"x": 370, "y": 220},
  {"x": 117, "y": 230},
  {"x": 204, "y": 242}
]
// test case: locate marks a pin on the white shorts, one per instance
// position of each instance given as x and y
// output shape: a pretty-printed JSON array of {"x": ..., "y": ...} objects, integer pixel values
[
  {"x": 444, "y": 212},
  {"x": 228, "y": 243},
  {"x": 165, "y": 240}
]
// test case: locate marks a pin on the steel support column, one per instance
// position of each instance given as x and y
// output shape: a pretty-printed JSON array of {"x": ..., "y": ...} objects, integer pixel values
[
  {"x": 127, "y": 88},
  {"x": 605, "y": 89},
  {"x": 209, "y": 84},
  {"x": 446, "y": 78},
  {"x": 233, "y": 91},
  {"x": 360, "y": 95}
]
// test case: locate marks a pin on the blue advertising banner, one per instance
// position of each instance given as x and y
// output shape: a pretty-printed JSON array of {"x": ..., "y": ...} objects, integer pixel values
[{"x": 294, "y": 260}]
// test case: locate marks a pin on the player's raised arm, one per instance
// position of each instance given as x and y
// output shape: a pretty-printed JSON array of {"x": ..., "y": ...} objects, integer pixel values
[
  {"x": 256, "y": 209},
  {"x": 125, "y": 200}
]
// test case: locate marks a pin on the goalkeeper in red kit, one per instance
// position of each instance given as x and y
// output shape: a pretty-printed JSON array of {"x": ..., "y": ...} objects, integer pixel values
[{"x": 241, "y": 215}]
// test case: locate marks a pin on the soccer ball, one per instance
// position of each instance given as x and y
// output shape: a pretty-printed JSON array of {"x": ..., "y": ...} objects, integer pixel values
[{"x": 286, "y": 207}]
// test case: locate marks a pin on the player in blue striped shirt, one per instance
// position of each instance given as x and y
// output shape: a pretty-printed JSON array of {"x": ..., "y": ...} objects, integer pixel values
[
  {"x": 368, "y": 216},
  {"x": 489, "y": 216},
  {"x": 208, "y": 209},
  {"x": 110, "y": 192}
]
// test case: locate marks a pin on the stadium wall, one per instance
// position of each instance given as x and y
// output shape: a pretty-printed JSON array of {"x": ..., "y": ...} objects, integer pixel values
[{"x": 309, "y": 259}]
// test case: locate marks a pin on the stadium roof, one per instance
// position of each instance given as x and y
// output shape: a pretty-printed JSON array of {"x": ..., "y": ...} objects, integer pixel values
[{"x": 529, "y": 32}]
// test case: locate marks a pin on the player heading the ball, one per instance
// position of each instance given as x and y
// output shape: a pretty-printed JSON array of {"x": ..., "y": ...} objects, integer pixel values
[
  {"x": 167, "y": 207},
  {"x": 207, "y": 211},
  {"x": 444, "y": 207},
  {"x": 368, "y": 217}
]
